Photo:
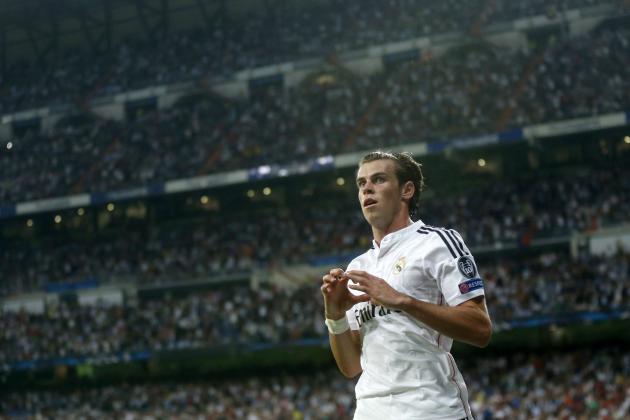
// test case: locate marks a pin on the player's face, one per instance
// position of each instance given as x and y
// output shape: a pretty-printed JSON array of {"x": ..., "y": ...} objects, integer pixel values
[{"x": 379, "y": 192}]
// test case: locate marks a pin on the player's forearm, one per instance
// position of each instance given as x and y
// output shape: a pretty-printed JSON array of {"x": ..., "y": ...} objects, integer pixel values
[
  {"x": 347, "y": 353},
  {"x": 469, "y": 324}
]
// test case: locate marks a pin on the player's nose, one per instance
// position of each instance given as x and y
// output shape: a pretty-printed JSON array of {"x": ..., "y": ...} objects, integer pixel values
[{"x": 368, "y": 187}]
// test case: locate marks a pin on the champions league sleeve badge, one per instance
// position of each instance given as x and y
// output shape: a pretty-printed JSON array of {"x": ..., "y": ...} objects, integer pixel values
[
  {"x": 467, "y": 267},
  {"x": 470, "y": 285}
]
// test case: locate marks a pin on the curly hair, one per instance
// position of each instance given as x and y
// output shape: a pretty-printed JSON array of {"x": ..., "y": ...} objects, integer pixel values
[{"x": 407, "y": 169}]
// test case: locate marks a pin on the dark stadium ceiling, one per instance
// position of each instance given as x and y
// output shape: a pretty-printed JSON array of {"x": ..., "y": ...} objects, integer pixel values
[{"x": 40, "y": 29}]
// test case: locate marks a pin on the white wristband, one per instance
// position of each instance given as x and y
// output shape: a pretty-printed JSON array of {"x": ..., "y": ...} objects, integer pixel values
[{"x": 337, "y": 326}]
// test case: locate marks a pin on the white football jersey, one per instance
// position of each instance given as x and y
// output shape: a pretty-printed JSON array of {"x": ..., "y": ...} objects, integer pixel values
[{"x": 408, "y": 372}]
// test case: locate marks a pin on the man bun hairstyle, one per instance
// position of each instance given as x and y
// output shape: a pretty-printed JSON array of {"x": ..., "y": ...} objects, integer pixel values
[{"x": 407, "y": 169}]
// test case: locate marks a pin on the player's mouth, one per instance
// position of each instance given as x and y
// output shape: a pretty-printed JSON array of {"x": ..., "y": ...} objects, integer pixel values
[{"x": 368, "y": 202}]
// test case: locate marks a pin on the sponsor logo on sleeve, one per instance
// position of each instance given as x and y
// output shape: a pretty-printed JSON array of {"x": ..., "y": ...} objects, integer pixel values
[
  {"x": 470, "y": 285},
  {"x": 467, "y": 267}
]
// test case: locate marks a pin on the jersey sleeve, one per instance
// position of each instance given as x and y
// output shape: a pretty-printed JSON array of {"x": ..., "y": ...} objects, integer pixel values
[{"x": 451, "y": 264}]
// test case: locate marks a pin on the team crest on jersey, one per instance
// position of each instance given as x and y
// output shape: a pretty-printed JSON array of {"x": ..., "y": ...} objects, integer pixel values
[
  {"x": 400, "y": 265},
  {"x": 467, "y": 267}
]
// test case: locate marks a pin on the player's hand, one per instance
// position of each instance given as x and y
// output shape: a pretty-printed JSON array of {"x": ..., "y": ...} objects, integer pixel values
[
  {"x": 337, "y": 298},
  {"x": 379, "y": 291}
]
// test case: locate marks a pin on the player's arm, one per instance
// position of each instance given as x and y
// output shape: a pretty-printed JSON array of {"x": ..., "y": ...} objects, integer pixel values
[
  {"x": 345, "y": 343},
  {"x": 346, "y": 349},
  {"x": 468, "y": 321}
]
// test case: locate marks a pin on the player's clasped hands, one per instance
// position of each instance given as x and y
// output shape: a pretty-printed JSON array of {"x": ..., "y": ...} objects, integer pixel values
[
  {"x": 380, "y": 292},
  {"x": 338, "y": 298}
]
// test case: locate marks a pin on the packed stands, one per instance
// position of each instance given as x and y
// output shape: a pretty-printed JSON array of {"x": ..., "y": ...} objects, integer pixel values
[
  {"x": 520, "y": 288},
  {"x": 577, "y": 78},
  {"x": 164, "y": 263},
  {"x": 588, "y": 383},
  {"x": 247, "y": 42},
  {"x": 591, "y": 384},
  {"x": 460, "y": 94},
  {"x": 513, "y": 212}
]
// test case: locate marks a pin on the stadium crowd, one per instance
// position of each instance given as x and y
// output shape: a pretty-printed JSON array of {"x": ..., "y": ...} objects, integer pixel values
[
  {"x": 515, "y": 212},
  {"x": 592, "y": 384},
  {"x": 254, "y": 40},
  {"x": 459, "y": 94},
  {"x": 549, "y": 284},
  {"x": 562, "y": 79},
  {"x": 463, "y": 93},
  {"x": 236, "y": 315}
]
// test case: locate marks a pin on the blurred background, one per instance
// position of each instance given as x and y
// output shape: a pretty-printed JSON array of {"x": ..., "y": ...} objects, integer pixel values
[{"x": 177, "y": 175}]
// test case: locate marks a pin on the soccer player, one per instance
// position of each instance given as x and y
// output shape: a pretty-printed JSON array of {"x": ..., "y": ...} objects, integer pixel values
[{"x": 393, "y": 314}]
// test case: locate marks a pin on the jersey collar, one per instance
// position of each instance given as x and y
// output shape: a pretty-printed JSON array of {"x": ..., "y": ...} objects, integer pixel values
[{"x": 394, "y": 237}]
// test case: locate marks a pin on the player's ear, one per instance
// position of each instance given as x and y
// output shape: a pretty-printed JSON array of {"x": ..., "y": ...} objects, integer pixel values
[{"x": 408, "y": 190}]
